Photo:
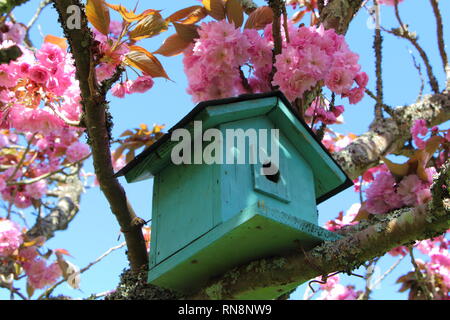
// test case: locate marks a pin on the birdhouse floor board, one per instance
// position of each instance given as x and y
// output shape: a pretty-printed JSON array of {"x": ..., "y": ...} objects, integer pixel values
[{"x": 257, "y": 232}]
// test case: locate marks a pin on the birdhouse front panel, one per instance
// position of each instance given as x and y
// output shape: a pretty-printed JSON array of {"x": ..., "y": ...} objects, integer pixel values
[
  {"x": 291, "y": 191},
  {"x": 208, "y": 218}
]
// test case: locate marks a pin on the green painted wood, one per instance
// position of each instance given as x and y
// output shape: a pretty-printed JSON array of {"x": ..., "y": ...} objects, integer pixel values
[
  {"x": 207, "y": 219},
  {"x": 239, "y": 240}
]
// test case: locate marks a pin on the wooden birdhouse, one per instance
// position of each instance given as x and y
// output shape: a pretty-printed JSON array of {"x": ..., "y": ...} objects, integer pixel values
[{"x": 209, "y": 216}]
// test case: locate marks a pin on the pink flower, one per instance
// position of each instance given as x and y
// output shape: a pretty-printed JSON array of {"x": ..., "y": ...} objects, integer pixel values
[
  {"x": 362, "y": 79},
  {"x": 40, "y": 275},
  {"x": 10, "y": 237},
  {"x": 39, "y": 74},
  {"x": 115, "y": 28},
  {"x": 381, "y": 195},
  {"x": 36, "y": 190},
  {"x": 355, "y": 95},
  {"x": 339, "y": 80},
  {"x": 105, "y": 71},
  {"x": 419, "y": 128},
  {"x": 7, "y": 76},
  {"x": 119, "y": 90},
  {"x": 141, "y": 84},
  {"x": 50, "y": 55},
  {"x": 77, "y": 151}
]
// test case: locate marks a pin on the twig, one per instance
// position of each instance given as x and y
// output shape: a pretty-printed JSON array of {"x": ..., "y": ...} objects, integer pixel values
[
  {"x": 440, "y": 37},
  {"x": 377, "y": 46},
  {"x": 41, "y": 7},
  {"x": 49, "y": 291},
  {"x": 422, "y": 80},
  {"x": 405, "y": 34},
  {"x": 48, "y": 174},
  {"x": 63, "y": 117},
  {"x": 378, "y": 281},
  {"x": 276, "y": 5},
  {"x": 22, "y": 160}
]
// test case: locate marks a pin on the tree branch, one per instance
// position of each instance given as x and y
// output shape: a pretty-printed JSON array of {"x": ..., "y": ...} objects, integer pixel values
[
  {"x": 67, "y": 207},
  {"x": 389, "y": 135},
  {"x": 362, "y": 242},
  {"x": 98, "y": 126}
]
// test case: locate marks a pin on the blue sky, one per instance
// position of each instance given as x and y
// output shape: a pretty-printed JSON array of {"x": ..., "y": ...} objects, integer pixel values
[{"x": 95, "y": 230}]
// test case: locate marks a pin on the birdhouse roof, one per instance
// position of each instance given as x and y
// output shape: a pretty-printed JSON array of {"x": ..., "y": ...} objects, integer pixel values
[{"x": 330, "y": 179}]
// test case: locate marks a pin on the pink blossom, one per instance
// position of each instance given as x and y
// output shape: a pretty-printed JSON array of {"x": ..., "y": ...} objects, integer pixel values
[
  {"x": 399, "y": 251},
  {"x": 105, "y": 71},
  {"x": 115, "y": 28},
  {"x": 7, "y": 76},
  {"x": 355, "y": 95},
  {"x": 339, "y": 80},
  {"x": 16, "y": 32},
  {"x": 419, "y": 128},
  {"x": 40, "y": 275},
  {"x": 344, "y": 220},
  {"x": 10, "y": 237},
  {"x": 362, "y": 79},
  {"x": 381, "y": 195},
  {"x": 50, "y": 55},
  {"x": 39, "y": 74},
  {"x": 141, "y": 84},
  {"x": 36, "y": 190},
  {"x": 119, "y": 90},
  {"x": 77, "y": 151}
]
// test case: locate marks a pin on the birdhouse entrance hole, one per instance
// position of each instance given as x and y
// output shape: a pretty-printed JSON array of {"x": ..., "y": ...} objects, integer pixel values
[{"x": 274, "y": 177}]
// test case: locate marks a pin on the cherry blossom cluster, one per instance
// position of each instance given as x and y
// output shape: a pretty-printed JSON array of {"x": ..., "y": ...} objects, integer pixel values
[
  {"x": 315, "y": 55},
  {"x": 112, "y": 52},
  {"x": 39, "y": 273}
]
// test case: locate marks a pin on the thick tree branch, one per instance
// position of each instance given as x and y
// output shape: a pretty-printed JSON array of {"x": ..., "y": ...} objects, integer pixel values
[
  {"x": 362, "y": 242},
  {"x": 338, "y": 14},
  {"x": 389, "y": 135},
  {"x": 66, "y": 208},
  {"x": 97, "y": 126}
]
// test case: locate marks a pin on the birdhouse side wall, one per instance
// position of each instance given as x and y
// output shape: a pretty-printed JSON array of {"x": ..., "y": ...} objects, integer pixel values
[{"x": 184, "y": 199}]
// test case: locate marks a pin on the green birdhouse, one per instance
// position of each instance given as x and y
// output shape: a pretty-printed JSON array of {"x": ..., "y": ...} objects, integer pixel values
[{"x": 235, "y": 180}]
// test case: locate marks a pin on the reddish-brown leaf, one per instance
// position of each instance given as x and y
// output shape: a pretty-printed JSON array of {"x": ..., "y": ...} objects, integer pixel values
[
  {"x": 259, "y": 18},
  {"x": 149, "y": 26},
  {"x": 215, "y": 8},
  {"x": 188, "y": 15},
  {"x": 298, "y": 16},
  {"x": 172, "y": 46},
  {"x": 98, "y": 14},
  {"x": 145, "y": 61},
  {"x": 60, "y": 42},
  {"x": 187, "y": 32},
  {"x": 235, "y": 13},
  {"x": 130, "y": 16}
]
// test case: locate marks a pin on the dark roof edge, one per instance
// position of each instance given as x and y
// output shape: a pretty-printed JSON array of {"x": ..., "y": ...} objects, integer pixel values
[{"x": 191, "y": 115}]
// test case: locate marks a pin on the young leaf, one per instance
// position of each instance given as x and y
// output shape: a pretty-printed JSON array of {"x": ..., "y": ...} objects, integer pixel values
[
  {"x": 234, "y": 12},
  {"x": 130, "y": 16},
  {"x": 298, "y": 16},
  {"x": 188, "y": 15},
  {"x": 423, "y": 156},
  {"x": 60, "y": 42},
  {"x": 397, "y": 170},
  {"x": 187, "y": 32},
  {"x": 149, "y": 26},
  {"x": 140, "y": 58},
  {"x": 215, "y": 8},
  {"x": 259, "y": 18},
  {"x": 172, "y": 46},
  {"x": 98, "y": 14},
  {"x": 362, "y": 214},
  {"x": 30, "y": 290}
]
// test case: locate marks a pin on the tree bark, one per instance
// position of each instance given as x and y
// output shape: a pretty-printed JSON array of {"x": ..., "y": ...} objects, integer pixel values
[{"x": 96, "y": 119}]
